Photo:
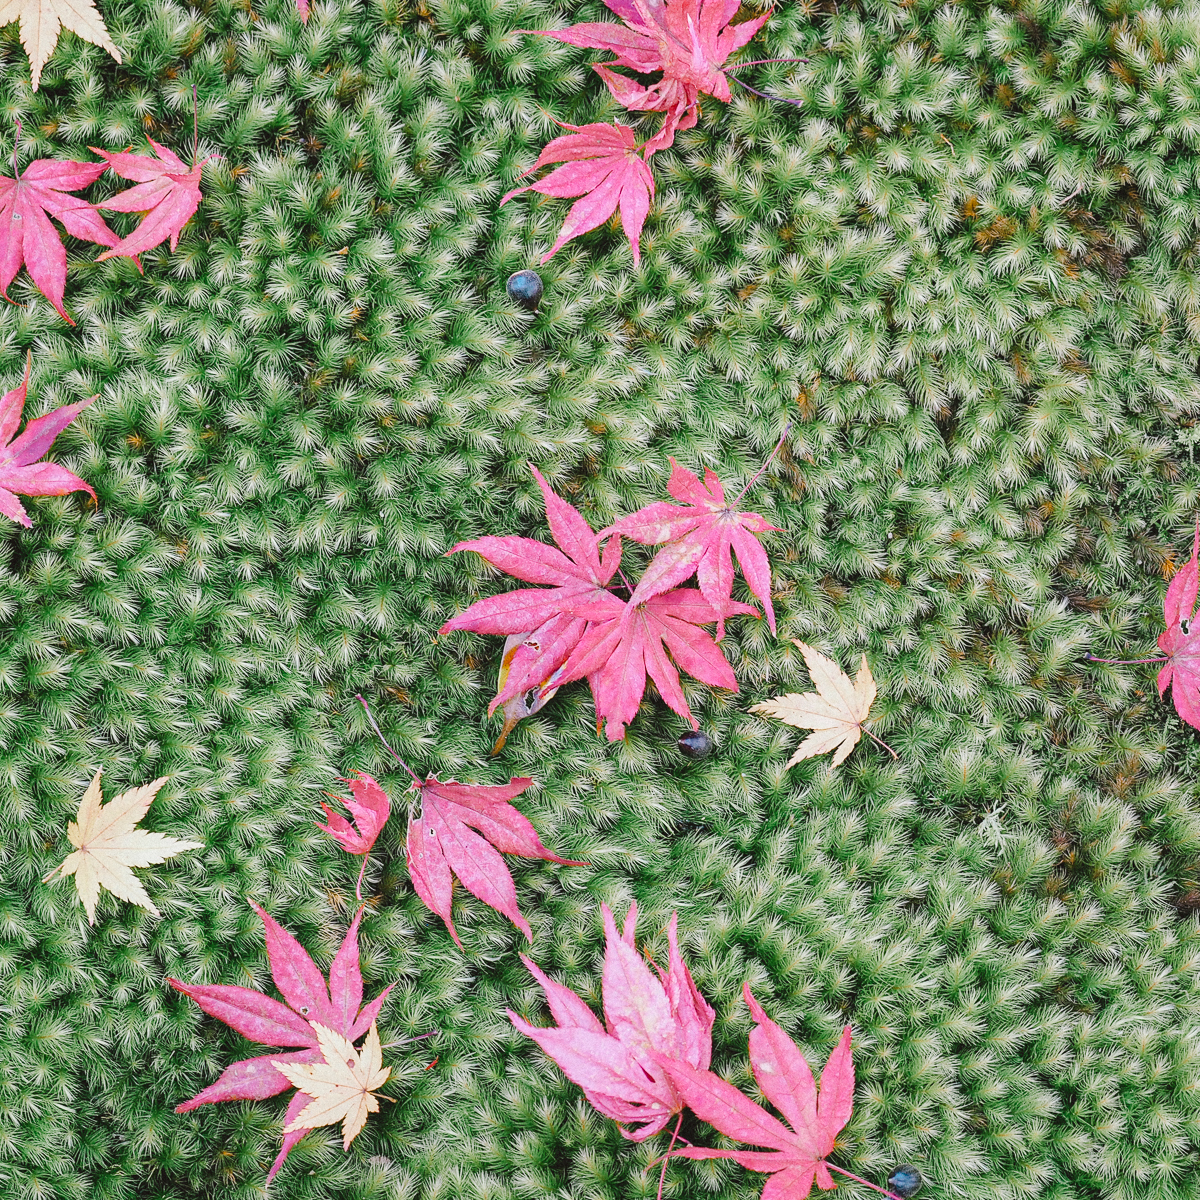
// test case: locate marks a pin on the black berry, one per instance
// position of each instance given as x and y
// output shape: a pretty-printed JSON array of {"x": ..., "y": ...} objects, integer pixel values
[
  {"x": 905, "y": 1181},
  {"x": 695, "y": 745},
  {"x": 525, "y": 288}
]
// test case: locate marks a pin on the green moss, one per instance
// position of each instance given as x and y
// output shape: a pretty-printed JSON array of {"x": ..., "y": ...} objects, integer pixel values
[{"x": 979, "y": 233}]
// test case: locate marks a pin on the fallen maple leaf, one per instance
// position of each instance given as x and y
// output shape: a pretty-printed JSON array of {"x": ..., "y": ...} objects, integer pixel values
[
  {"x": 26, "y": 235},
  {"x": 370, "y": 809},
  {"x": 166, "y": 190},
  {"x": 20, "y": 470},
  {"x": 548, "y": 621},
  {"x": 700, "y": 537},
  {"x": 604, "y": 168},
  {"x": 797, "y": 1155},
  {"x": 108, "y": 845},
  {"x": 41, "y": 21},
  {"x": 526, "y": 703},
  {"x": 443, "y": 842},
  {"x": 648, "y": 1020},
  {"x": 835, "y": 711},
  {"x": 260, "y": 1019},
  {"x": 340, "y": 1082},
  {"x": 618, "y": 654},
  {"x": 1180, "y": 641},
  {"x": 687, "y": 40}
]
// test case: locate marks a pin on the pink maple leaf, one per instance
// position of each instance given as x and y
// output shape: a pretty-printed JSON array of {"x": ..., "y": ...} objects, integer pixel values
[
  {"x": 20, "y": 470},
  {"x": 549, "y": 620},
  {"x": 257, "y": 1017},
  {"x": 603, "y": 167},
  {"x": 617, "y": 654},
  {"x": 166, "y": 190},
  {"x": 26, "y": 235},
  {"x": 797, "y": 1155},
  {"x": 462, "y": 829},
  {"x": 370, "y": 809},
  {"x": 646, "y": 1019},
  {"x": 687, "y": 40},
  {"x": 1180, "y": 641},
  {"x": 700, "y": 537}
]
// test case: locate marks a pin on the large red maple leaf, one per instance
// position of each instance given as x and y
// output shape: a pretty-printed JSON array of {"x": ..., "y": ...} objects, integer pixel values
[
  {"x": 167, "y": 190},
  {"x": 550, "y": 620},
  {"x": 687, "y": 40},
  {"x": 461, "y": 830},
  {"x": 337, "y": 1006},
  {"x": 20, "y": 470},
  {"x": 615, "y": 1063},
  {"x": 797, "y": 1155},
  {"x": 1180, "y": 641},
  {"x": 642, "y": 639},
  {"x": 700, "y": 536},
  {"x": 604, "y": 166},
  {"x": 26, "y": 235}
]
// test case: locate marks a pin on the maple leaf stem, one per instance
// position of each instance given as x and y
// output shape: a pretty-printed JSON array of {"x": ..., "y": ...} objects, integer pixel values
[
  {"x": 361, "y": 872},
  {"x": 662, "y": 1179},
  {"x": 880, "y": 742},
  {"x": 864, "y": 1182},
  {"x": 195, "y": 127},
  {"x": 625, "y": 581},
  {"x": 1125, "y": 662},
  {"x": 380, "y": 736},
  {"x": 778, "y": 446},
  {"x": 767, "y": 95},
  {"x": 16, "y": 140},
  {"x": 758, "y": 62}
]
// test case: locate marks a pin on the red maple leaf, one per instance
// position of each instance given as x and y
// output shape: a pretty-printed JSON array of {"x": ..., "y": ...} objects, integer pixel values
[
  {"x": 549, "y": 620},
  {"x": 618, "y": 654},
  {"x": 797, "y": 1155},
  {"x": 167, "y": 191},
  {"x": 616, "y": 1063},
  {"x": 461, "y": 830},
  {"x": 687, "y": 40},
  {"x": 602, "y": 165},
  {"x": 26, "y": 235},
  {"x": 261, "y": 1019},
  {"x": 20, "y": 470},
  {"x": 1180, "y": 641},
  {"x": 370, "y": 809},
  {"x": 700, "y": 536}
]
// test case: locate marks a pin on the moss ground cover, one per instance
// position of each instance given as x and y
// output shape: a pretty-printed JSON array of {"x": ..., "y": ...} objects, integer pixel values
[{"x": 966, "y": 269}]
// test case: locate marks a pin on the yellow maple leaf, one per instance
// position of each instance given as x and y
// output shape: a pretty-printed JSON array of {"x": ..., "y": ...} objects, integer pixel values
[
  {"x": 835, "y": 711},
  {"x": 42, "y": 19},
  {"x": 341, "y": 1087},
  {"x": 107, "y": 846}
]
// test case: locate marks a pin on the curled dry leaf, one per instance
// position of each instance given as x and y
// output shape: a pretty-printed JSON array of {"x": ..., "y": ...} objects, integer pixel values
[
  {"x": 368, "y": 806},
  {"x": 341, "y": 1083},
  {"x": 108, "y": 846},
  {"x": 835, "y": 711}
]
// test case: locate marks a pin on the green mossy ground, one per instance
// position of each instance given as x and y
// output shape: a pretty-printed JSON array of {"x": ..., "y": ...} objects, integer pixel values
[{"x": 981, "y": 233}]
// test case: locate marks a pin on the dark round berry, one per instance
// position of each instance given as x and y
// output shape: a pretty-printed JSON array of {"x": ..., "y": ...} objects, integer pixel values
[
  {"x": 905, "y": 1181},
  {"x": 525, "y": 288},
  {"x": 695, "y": 745}
]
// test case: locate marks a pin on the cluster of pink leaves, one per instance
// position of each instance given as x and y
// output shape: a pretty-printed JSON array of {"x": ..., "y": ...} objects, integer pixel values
[
  {"x": 650, "y": 1059},
  {"x": 578, "y": 628},
  {"x": 337, "y": 1006},
  {"x": 460, "y": 830},
  {"x": 688, "y": 41},
  {"x": 165, "y": 189}
]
